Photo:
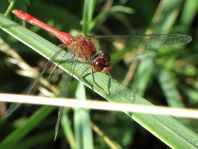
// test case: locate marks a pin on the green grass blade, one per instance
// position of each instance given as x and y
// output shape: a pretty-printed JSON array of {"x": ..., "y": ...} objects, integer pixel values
[
  {"x": 82, "y": 122},
  {"x": 83, "y": 131},
  {"x": 87, "y": 15},
  {"x": 166, "y": 128},
  {"x": 67, "y": 128},
  {"x": 189, "y": 12},
  {"x": 162, "y": 22},
  {"x": 168, "y": 86},
  {"x": 142, "y": 77},
  {"x": 14, "y": 137},
  {"x": 39, "y": 138}
]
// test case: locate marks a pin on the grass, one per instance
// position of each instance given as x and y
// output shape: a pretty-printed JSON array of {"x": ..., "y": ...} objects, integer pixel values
[{"x": 178, "y": 136}]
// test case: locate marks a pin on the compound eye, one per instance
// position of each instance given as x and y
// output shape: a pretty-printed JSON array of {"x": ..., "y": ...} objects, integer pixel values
[
  {"x": 106, "y": 57},
  {"x": 100, "y": 62}
]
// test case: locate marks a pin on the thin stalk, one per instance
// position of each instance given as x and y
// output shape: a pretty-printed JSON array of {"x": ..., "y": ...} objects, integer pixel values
[{"x": 10, "y": 7}]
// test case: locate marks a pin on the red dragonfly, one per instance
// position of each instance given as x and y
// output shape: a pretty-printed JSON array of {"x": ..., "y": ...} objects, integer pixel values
[{"x": 84, "y": 49}]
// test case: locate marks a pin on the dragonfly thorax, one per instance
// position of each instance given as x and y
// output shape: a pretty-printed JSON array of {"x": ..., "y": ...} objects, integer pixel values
[{"x": 82, "y": 47}]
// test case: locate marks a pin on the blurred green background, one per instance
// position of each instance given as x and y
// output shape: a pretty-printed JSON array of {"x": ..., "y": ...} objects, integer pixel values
[{"x": 169, "y": 78}]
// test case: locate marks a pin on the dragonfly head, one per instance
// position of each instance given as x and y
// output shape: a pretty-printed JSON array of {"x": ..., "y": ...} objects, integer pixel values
[{"x": 102, "y": 63}]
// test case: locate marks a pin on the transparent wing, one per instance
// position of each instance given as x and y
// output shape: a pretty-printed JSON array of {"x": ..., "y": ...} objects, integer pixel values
[
  {"x": 151, "y": 41},
  {"x": 65, "y": 81},
  {"x": 11, "y": 109},
  {"x": 138, "y": 45},
  {"x": 60, "y": 114},
  {"x": 31, "y": 87}
]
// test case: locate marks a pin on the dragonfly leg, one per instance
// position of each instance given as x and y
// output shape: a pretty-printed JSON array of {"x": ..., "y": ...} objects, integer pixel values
[
  {"x": 109, "y": 83},
  {"x": 84, "y": 77},
  {"x": 59, "y": 62},
  {"x": 93, "y": 78}
]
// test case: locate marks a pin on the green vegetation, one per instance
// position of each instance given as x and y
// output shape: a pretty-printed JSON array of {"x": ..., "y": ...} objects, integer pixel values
[{"x": 167, "y": 76}]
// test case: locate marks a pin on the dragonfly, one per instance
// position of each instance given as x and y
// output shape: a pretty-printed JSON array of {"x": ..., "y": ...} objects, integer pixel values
[{"x": 85, "y": 49}]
